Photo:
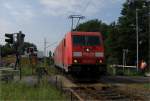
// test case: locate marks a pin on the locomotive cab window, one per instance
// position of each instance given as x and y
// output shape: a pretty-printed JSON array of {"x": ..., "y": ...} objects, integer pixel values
[
  {"x": 92, "y": 40},
  {"x": 86, "y": 40},
  {"x": 78, "y": 40}
]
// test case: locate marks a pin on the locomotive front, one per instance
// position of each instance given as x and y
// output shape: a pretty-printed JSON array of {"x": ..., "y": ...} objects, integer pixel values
[{"x": 87, "y": 53}]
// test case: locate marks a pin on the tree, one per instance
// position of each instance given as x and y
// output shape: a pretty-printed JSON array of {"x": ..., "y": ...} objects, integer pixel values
[
  {"x": 27, "y": 45},
  {"x": 127, "y": 31},
  {"x": 94, "y": 25},
  {"x": 122, "y": 35},
  {"x": 8, "y": 49},
  {"x": 111, "y": 44}
]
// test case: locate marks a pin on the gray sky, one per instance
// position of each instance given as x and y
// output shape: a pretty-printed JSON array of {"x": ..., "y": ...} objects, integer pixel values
[{"x": 40, "y": 19}]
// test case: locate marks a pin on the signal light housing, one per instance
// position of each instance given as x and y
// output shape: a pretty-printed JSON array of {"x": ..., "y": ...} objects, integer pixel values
[
  {"x": 20, "y": 37},
  {"x": 10, "y": 38}
]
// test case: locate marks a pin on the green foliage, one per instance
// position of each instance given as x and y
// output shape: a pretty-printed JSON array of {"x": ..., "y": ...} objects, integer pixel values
[
  {"x": 126, "y": 72},
  {"x": 27, "y": 44},
  {"x": 127, "y": 33},
  {"x": 94, "y": 26},
  {"x": 147, "y": 86},
  {"x": 111, "y": 44},
  {"x": 26, "y": 70},
  {"x": 111, "y": 70},
  {"x": 132, "y": 73},
  {"x": 122, "y": 35},
  {"x": 8, "y": 49}
]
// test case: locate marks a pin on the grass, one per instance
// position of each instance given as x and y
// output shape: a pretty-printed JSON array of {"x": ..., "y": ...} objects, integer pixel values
[
  {"x": 53, "y": 70},
  {"x": 19, "y": 91},
  {"x": 147, "y": 86},
  {"x": 24, "y": 92},
  {"x": 26, "y": 70},
  {"x": 127, "y": 72}
]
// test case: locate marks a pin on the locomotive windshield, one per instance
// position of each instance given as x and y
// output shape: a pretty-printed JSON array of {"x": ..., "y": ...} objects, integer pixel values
[{"x": 86, "y": 40}]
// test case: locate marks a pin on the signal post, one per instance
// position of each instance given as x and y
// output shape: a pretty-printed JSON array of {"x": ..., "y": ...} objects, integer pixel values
[{"x": 18, "y": 44}]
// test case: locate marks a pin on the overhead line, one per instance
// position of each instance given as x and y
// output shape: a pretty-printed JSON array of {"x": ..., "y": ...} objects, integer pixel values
[
  {"x": 52, "y": 44},
  {"x": 86, "y": 6}
]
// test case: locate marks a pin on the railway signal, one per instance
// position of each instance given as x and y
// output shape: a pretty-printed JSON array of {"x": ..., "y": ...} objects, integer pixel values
[
  {"x": 9, "y": 38},
  {"x": 30, "y": 50},
  {"x": 20, "y": 42}
]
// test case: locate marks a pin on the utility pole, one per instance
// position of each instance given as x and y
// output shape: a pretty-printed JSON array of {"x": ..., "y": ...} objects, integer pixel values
[
  {"x": 148, "y": 1},
  {"x": 0, "y": 55},
  {"x": 137, "y": 40},
  {"x": 20, "y": 43},
  {"x": 44, "y": 51},
  {"x": 123, "y": 59},
  {"x": 125, "y": 51}
]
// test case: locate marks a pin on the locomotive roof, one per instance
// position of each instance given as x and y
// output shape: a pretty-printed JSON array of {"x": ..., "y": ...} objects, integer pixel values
[{"x": 85, "y": 33}]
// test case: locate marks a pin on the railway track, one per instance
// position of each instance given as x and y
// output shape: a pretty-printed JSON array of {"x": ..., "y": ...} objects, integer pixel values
[
  {"x": 98, "y": 91},
  {"x": 103, "y": 93}
]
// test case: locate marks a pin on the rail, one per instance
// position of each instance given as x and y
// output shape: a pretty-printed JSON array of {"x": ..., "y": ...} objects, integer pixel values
[{"x": 104, "y": 93}]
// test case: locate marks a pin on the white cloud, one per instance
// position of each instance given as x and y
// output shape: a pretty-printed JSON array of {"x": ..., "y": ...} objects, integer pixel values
[
  {"x": 26, "y": 15},
  {"x": 14, "y": 14},
  {"x": 63, "y": 7},
  {"x": 19, "y": 11},
  {"x": 58, "y": 7},
  {"x": 5, "y": 27}
]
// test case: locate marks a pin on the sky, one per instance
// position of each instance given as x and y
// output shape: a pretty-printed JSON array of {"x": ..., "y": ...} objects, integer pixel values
[{"x": 39, "y": 19}]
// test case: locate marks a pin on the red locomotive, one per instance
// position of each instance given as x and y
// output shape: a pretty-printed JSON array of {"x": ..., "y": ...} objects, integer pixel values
[{"x": 81, "y": 52}]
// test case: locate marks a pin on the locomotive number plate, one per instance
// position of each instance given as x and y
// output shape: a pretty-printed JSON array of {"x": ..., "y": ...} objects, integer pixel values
[
  {"x": 88, "y": 61},
  {"x": 88, "y": 54}
]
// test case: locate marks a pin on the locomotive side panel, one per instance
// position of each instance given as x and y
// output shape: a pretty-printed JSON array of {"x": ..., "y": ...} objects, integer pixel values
[
  {"x": 68, "y": 51},
  {"x": 58, "y": 55}
]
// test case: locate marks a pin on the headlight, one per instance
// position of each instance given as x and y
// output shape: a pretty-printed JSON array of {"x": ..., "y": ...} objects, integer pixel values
[
  {"x": 100, "y": 61},
  {"x": 77, "y": 54},
  {"x": 99, "y": 54},
  {"x": 75, "y": 61}
]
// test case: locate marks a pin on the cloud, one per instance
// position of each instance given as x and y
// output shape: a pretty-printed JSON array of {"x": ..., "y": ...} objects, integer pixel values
[
  {"x": 19, "y": 11},
  {"x": 5, "y": 27},
  {"x": 63, "y": 7},
  {"x": 14, "y": 14},
  {"x": 88, "y": 7},
  {"x": 58, "y": 7}
]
